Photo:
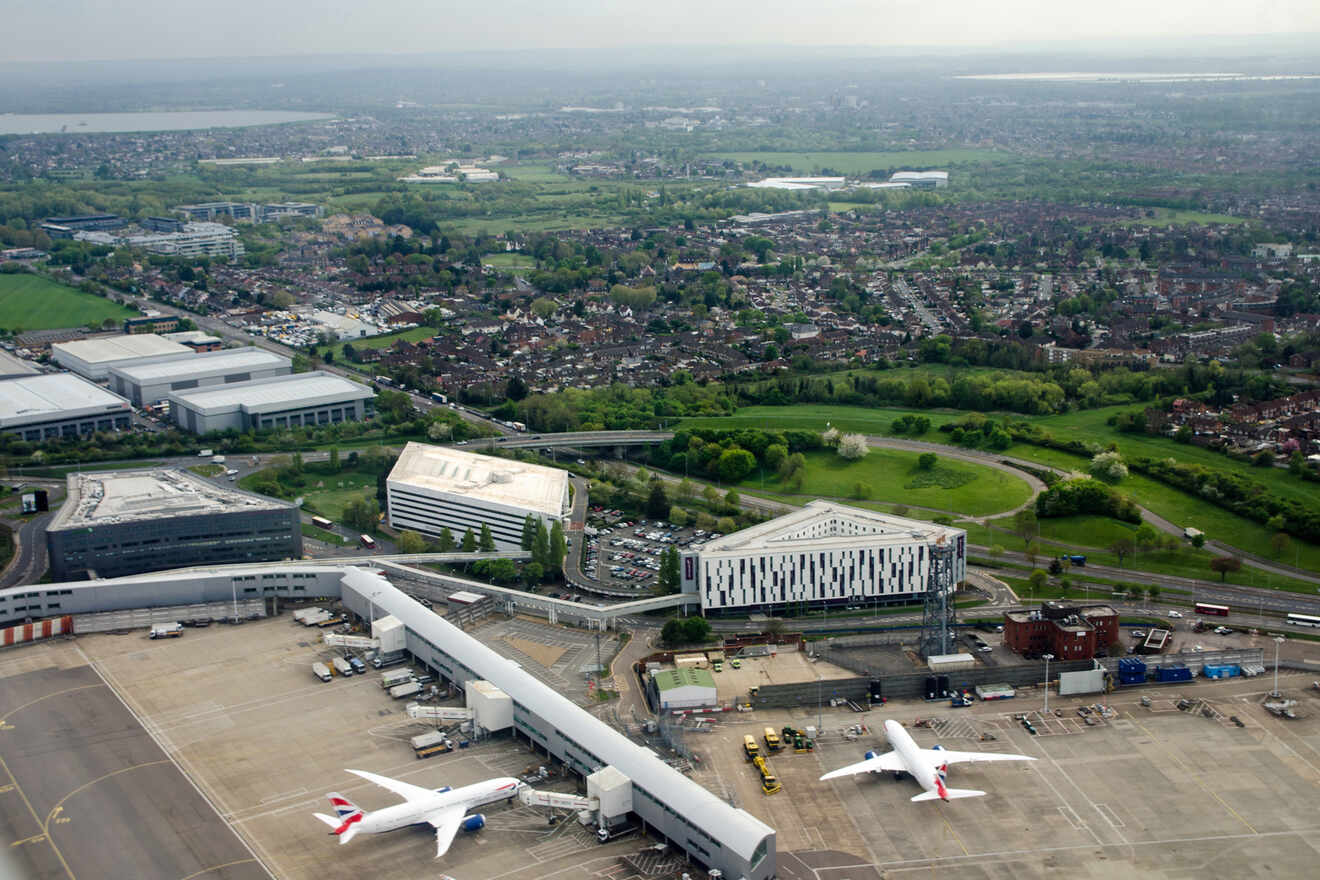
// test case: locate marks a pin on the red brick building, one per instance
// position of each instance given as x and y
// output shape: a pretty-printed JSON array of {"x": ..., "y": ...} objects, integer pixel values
[{"x": 1069, "y": 632}]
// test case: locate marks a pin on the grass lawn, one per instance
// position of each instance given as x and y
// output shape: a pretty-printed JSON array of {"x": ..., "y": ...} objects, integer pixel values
[
  {"x": 863, "y": 163},
  {"x": 30, "y": 302},
  {"x": 1177, "y": 217},
  {"x": 325, "y": 495},
  {"x": 509, "y": 261},
  {"x": 533, "y": 173},
  {"x": 894, "y": 477},
  {"x": 208, "y": 470},
  {"x": 385, "y": 340},
  {"x": 815, "y": 417},
  {"x": 311, "y": 531}
]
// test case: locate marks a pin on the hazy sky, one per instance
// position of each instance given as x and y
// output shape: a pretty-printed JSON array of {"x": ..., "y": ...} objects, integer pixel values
[{"x": 53, "y": 30}]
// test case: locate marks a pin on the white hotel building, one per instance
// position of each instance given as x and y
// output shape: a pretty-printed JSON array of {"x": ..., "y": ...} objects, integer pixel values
[
  {"x": 823, "y": 554},
  {"x": 433, "y": 487}
]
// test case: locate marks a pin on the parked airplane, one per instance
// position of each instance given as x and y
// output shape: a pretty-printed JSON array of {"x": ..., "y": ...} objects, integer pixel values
[
  {"x": 445, "y": 809},
  {"x": 927, "y": 766}
]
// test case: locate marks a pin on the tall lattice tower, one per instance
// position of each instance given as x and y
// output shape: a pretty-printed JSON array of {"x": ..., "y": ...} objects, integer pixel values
[{"x": 937, "y": 613}]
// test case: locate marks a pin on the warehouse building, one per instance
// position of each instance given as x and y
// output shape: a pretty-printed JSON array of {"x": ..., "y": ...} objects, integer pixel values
[
  {"x": 94, "y": 358},
  {"x": 12, "y": 366},
  {"x": 824, "y": 554},
  {"x": 688, "y": 688},
  {"x": 53, "y": 405},
  {"x": 434, "y": 487},
  {"x": 286, "y": 401},
  {"x": 146, "y": 384},
  {"x": 710, "y": 832},
  {"x": 116, "y": 523}
]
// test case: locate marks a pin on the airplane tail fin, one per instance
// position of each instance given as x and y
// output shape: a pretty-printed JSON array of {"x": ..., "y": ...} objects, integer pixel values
[
  {"x": 949, "y": 794},
  {"x": 344, "y": 824}
]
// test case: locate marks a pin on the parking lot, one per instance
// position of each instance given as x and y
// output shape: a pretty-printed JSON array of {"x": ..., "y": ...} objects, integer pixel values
[{"x": 626, "y": 553}]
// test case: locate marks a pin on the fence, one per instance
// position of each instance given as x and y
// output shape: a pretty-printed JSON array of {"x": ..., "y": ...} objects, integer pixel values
[
  {"x": 144, "y": 618},
  {"x": 31, "y": 632}
]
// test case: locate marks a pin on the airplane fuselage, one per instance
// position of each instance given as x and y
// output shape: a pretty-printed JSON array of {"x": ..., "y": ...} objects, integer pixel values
[
  {"x": 415, "y": 812},
  {"x": 907, "y": 748}
]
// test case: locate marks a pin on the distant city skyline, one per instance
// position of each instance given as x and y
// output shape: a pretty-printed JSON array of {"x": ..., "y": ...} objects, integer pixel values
[{"x": 156, "y": 29}]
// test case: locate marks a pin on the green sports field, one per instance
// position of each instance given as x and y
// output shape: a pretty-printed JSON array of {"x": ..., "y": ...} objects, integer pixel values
[
  {"x": 30, "y": 302},
  {"x": 864, "y": 163}
]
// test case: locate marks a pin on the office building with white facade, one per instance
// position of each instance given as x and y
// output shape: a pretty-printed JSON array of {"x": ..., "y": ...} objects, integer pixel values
[
  {"x": 145, "y": 384},
  {"x": 54, "y": 405},
  {"x": 825, "y": 554},
  {"x": 94, "y": 358},
  {"x": 286, "y": 401},
  {"x": 434, "y": 487}
]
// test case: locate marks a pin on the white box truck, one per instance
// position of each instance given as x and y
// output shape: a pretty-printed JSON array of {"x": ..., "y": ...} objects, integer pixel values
[
  {"x": 407, "y": 689},
  {"x": 165, "y": 631},
  {"x": 395, "y": 678},
  {"x": 321, "y": 671},
  {"x": 341, "y": 666},
  {"x": 302, "y": 614}
]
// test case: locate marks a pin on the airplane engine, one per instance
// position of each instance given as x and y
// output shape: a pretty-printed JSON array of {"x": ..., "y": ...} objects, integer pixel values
[
  {"x": 475, "y": 822},
  {"x": 938, "y": 747},
  {"x": 443, "y": 790},
  {"x": 869, "y": 755}
]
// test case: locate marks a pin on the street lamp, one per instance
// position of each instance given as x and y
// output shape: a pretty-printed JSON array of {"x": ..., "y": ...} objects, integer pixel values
[
  {"x": 1278, "y": 640},
  {"x": 1048, "y": 658}
]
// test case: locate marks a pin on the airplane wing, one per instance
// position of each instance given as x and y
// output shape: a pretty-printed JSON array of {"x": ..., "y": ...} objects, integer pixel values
[
  {"x": 887, "y": 761},
  {"x": 405, "y": 790},
  {"x": 944, "y": 756},
  {"x": 446, "y": 822}
]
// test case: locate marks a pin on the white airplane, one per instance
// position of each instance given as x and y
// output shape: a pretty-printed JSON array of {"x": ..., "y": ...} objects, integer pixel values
[
  {"x": 444, "y": 809},
  {"x": 927, "y": 766}
]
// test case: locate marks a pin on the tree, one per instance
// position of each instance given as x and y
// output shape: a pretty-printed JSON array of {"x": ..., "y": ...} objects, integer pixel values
[
  {"x": 668, "y": 579},
  {"x": 1038, "y": 579},
  {"x": 1056, "y": 566},
  {"x": 528, "y": 532},
  {"x": 1032, "y": 552},
  {"x": 1109, "y": 466},
  {"x": 696, "y": 629},
  {"x": 446, "y": 540},
  {"x": 735, "y": 464},
  {"x": 862, "y": 490},
  {"x": 558, "y": 547},
  {"x": 486, "y": 542},
  {"x": 830, "y": 437},
  {"x": 774, "y": 456},
  {"x": 901, "y": 510},
  {"x": 926, "y": 461},
  {"x": 1198, "y": 540},
  {"x": 334, "y": 460},
  {"x": 1025, "y": 525},
  {"x": 439, "y": 431},
  {"x": 733, "y": 500},
  {"x": 1146, "y": 537},
  {"x": 657, "y": 503},
  {"x": 1153, "y": 591},
  {"x": 516, "y": 389},
  {"x": 997, "y": 551},
  {"x": 411, "y": 542},
  {"x": 469, "y": 544},
  {"x": 541, "y": 545},
  {"x": 1122, "y": 548},
  {"x": 1225, "y": 565},
  {"x": 685, "y": 489},
  {"x": 853, "y": 447},
  {"x": 362, "y": 514},
  {"x": 1279, "y": 543},
  {"x": 678, "y": 516}
]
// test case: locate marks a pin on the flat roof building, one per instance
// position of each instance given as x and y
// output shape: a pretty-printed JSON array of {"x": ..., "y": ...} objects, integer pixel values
[
  {"x": 823, "y": 554},
  {"x": 197, "y": 340},
  {"x": 149, "y": 383},
  {"x": 689, "y": 688},
  {"x": 1066, "y": 630},
  {"x": 93, "y": 358},
  {"x": 54, "y": 405},
  {"x": 434, "y": 487},
  {"x": 285, "y": 401},
  {"x": 117, "y": 523},
  {"x": 12, "y": 365}
]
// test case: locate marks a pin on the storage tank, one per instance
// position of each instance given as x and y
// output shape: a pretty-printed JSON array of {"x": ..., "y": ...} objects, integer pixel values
[
  {"x": 492, "y": 708},
  {"x": 389, "y": 631}
]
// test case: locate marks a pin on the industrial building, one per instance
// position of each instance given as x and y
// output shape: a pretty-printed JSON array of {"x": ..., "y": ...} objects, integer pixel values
[
  {"x": 51, "y": 405},
  {"x": 146, "y": 384},
  {"x": 117, "y": 523},
  {"x": 687, "y": 688},
  {"x": 12, "y": 366},
  {"x": 931, "y": 179},
  {"x": 285, "y": 401},
  {"x": 93, "y": 358},
  {"x": 194, "y": 240},
  {"x": 828, "y": 184},
  {"x": 197, "y": 340},
  {"x": 434, "y": 487},
  {"x": 823, "y": 554},
  {"x": 628, "y": 778},
  {"x": 1068, "y": 631},
  {"x": 151, "y": 322},
  {"x": 65, "y": 227}
]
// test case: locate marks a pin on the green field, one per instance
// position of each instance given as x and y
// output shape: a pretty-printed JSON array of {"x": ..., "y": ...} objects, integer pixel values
[
  {"x": 412, "y": 334},
  {"x": 311, "y": 531},
  {"x": 533, "y": 173},
  {"x": 1176, "y": 217},
  {"x": 893, "y": 477},
  {"x": 30, "y": 302},
  {"x": 325, "y": 495},
  {"x": 854, "y": 164},
  {"x": 509, "y": 261}
]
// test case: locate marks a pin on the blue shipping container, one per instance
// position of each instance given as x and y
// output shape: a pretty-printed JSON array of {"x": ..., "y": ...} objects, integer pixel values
[
  {"x": 1225, "y": 671},
  {"x": 1173, "y": 673},
  {"x": 1131, "y": 671}
]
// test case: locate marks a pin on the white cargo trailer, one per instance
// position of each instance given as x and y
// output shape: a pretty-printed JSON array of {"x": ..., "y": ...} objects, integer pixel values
[
  {"x": 408, "y": 689},
  {"x": 341, "y": 666},
  {"x": 321, "y": 671},
  {"x": 395, "y": 678}
]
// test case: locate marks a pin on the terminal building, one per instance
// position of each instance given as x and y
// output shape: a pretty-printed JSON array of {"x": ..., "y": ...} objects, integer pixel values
[
  {"x": 282, "y": 401},
  {"x": 93, "y": 358},
  {"x": 146, "y": 384},
  {"x": 434, "y": 487},
  {"x": 116, "y": 523},
  {"x": 52, "y": 405},
  {"x": 824, "y": 554}
]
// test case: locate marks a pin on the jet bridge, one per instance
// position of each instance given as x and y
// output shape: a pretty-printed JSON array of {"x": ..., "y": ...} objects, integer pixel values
[
  {"x": 357, "y": 643},
  {"x": 535, "y": 798},
  {"x": 438, "y": 713}
]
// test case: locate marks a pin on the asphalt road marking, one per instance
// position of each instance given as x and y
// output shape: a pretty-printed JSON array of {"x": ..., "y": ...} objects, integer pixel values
[{"x": 54, "y": 847}]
